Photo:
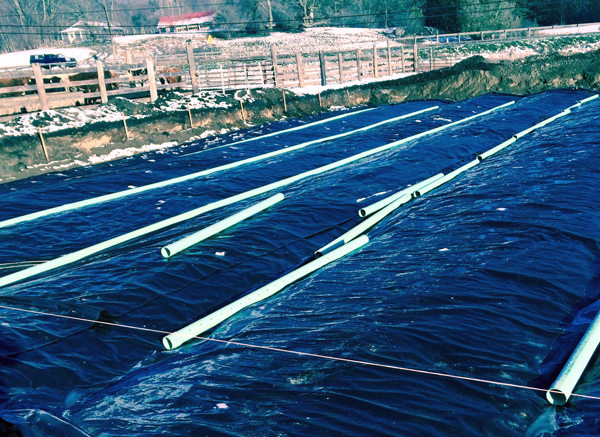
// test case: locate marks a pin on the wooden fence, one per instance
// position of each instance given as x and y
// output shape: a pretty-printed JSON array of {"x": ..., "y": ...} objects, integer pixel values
[
  {"x": 326, "y": 68},
  {"x": 37, "y": 89}
]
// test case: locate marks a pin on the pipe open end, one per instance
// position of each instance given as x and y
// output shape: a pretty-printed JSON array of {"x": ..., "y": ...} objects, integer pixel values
[
  {"x": 416, "y": 194},
  {"x": 479, "y": 158},
  {"x": 318, "y": 254},
  {"x": 167, "y": 343},
  {"x": 362, "y": 212},
  {"x": 165, "y": 252},
  {"x": 556, "y": 397}
]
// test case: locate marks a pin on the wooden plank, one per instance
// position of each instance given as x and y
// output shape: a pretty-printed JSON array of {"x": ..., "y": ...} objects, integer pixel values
[
  {"x": 151, "y": 79},
  {"x": 300, "y": 69},
  {"x": 341, "y": 66},
  {"x": 389, "y": 58},
  {"x": 39, "y": 82},
  {"x": 191, "y": 63},
  {"x": 375, "y": 72},
  {"x": 101, "y": 83},
  {"x": 17, "y": 89},
  {"x": 125, "y": 91},
  {"x": 358, "y": 63}
]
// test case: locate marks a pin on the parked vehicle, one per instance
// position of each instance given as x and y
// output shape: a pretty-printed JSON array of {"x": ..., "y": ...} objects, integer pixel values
[{"x": 48, "y": 61}]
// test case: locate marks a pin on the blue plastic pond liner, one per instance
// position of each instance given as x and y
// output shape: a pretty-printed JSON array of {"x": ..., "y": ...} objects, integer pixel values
[{"x": 477, "y": 278}]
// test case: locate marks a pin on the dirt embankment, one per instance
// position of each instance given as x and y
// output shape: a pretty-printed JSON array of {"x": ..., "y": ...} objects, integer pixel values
[{"x": 20, "y": 156}]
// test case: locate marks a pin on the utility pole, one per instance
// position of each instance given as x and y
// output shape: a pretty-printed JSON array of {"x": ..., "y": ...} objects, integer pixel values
[{"x": 112, "y": 41}]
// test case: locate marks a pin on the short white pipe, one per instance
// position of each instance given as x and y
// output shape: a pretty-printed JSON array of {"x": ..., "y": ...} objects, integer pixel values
[
  {"x": 446, "y": 178},
  {"x": 368, "y": 210},
  {"x": 561, "y": 390},
  {"x": 75, "y": 256},
  {"x": 363, "y": 226},
  {"x": 125, "y": 193},
  {"x": 176, "y": 247},
  {"x": 176, "y": 339},
  {"x": 581, "y": 102}
]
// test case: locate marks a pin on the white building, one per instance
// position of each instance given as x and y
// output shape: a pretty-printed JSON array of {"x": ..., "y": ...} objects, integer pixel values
[{"x": 87, "y": 30}]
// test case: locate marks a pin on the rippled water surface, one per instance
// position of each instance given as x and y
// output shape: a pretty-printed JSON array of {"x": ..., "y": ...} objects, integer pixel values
[{"x": 494, "y": 276}]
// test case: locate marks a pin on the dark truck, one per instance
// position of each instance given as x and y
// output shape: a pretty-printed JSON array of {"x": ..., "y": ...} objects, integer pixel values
[{"x": 48, "y": 61}]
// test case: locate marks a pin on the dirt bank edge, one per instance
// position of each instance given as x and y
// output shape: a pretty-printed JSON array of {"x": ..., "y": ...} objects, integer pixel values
[{"x": 22, "y": 156}]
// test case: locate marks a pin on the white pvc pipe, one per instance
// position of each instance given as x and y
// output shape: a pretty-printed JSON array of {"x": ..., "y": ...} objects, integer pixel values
[
  {"x": 368, "y": 210},
  {"x": 176, "y": 247},
  {"x": 75, "y": 256},
  {"x": 446, "y": 178},
  {"x": 521, "y": 134},
  {"x": 285, "y": 131},
  {"x": 125, "y": 193},
  {"x": 176, "y": 339},
  {"x": 363, "y": 226},
  {"x": 561, "y": 390}
]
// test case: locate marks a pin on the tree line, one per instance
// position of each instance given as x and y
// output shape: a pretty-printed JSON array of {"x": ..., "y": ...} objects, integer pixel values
[{"x": 26, "y": 24}]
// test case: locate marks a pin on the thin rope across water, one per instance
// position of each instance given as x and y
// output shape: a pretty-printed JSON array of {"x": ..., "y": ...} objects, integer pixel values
[{"x": 304, "y": 354}]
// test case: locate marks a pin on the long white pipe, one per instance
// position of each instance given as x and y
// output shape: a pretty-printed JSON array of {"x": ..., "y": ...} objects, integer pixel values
[
  {"x": 445, "y": 178},
  {"x": 368, "y": 210},
  {"x": 176, "y": 339},
  {"x": 176, "y": 247},
  {"x": 561, "y": 390},
  {"x": 121, "y": 194},
  {"x": 363, "y": 226},
  {"x": 75, "y": 256},
  {"x": 285, "y": 131},
  {"x": 521, "y": 134}
]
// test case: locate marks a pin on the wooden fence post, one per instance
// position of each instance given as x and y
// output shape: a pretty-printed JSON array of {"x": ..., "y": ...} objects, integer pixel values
[
  {"x": 101, "y": 81},
  {"x": 416, "y": 56},
  {"x": 274, "y": 55},
  {"x": 323, "y": 68},
  {"x": 300, "y": 69},
  {"x": 43, "y": 142},
  {"x": 39, "y": 83},
  {"x": 358, "y": 66},
  {"x": 341, "y": 65},
  {"x": 389, "y": 57},
  {"x": 128, "y": 57},
  {"x": 403, "y": 60},
  {"x": 192, "y": 64},
  {"x": 222, "y": 78},
  {"x": 151, "y": 78},
  {"x": 375, "y": 66}
]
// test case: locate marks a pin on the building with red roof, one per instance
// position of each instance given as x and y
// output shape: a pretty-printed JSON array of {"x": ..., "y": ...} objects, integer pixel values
[{"x": 196, "y": 21}]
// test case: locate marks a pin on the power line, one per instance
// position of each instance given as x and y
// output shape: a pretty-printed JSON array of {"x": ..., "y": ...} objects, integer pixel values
[{"x": 304, "y": 354}]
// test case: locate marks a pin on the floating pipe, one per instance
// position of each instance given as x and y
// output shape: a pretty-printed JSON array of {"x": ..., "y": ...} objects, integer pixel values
[
  {"x": 120, "y": 194},
  {"x": 75, "y": 256},
  {"x": 292, "y": 129},
  {"x": 363, "y": 226},
  {"x": 368, "y": 210},
  {"x": 581, "y": 102},
  {"x": 446, "y": 178},
  {"x": 176, "y": 247},
  {"x": 562, "y": 388},
  {"x": 176, "y": 339}
]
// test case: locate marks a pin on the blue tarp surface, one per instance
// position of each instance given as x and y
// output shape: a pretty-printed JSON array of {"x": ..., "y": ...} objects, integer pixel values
[{"x": 494, "y": 276}]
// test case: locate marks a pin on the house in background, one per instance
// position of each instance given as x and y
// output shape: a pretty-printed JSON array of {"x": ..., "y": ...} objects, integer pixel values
[
  {"x": 196, "y": 21},
  {"x": 89, "y": 30}
]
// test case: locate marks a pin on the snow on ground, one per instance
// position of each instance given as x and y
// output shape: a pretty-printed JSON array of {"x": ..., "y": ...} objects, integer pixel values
[
  {"x": 76, "y": 117},
  {"x": 315, "y": 89},
  {"x": 20, "y": 59}
]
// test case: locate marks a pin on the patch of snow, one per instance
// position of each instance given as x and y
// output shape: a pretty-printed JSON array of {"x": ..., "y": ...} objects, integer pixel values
[{"x": 130, "y": 151}]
